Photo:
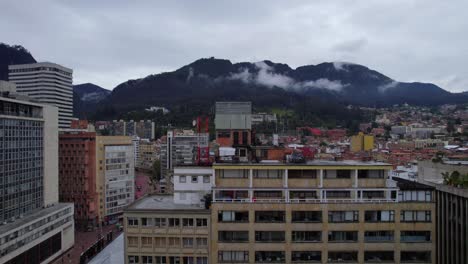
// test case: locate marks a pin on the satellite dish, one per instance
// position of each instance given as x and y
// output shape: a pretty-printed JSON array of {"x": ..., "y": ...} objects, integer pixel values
[{"x": 194, "y": 122}]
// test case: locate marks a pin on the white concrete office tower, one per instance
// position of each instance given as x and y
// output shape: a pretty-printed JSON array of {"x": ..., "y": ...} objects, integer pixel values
[
  {"x": 48, "y": 83},
  {"x": 34, "y": 226}
]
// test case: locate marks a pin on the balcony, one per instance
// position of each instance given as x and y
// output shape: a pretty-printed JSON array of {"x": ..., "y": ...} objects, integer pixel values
[
  {"x": 378, "y": 236},
  {"x": 415, "y": 236}
]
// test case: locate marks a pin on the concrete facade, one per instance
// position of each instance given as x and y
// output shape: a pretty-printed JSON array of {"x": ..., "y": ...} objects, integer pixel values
[{"x": 49, "y": 83}]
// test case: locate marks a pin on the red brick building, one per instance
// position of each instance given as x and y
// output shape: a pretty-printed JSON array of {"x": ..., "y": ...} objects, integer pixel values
[{"x": 77, "y": 176}]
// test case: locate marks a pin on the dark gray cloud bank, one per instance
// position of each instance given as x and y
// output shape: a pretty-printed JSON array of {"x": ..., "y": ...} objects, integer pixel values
[{"x": 108, "y": 42}]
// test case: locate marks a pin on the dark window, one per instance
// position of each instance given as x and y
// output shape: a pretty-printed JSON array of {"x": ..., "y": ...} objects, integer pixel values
[
  {"x": 233, "y": 256},
  {"x": 306, "y": 236},
  {"x": 302, "y": 174},
  {"x": 233, "y": 236},
  {"x": 378, "y": 236},
  {"x": 244, "y": 138},
  {"x": 270, "y": 257},
  {"x": 306, "y": 216},
  {"x": 379, "y": 256},
  {"x": 342, "y": 256},
  {"x": 236, "y": 138},
  {"x": 415, "y": 256},
  {"x": 343, "y": 216},
  {"x": 306, "y": 256},
  {"x": 233, "y": 216},
  {"x": 269, "y": 236},
  {"x": 379, "y": 216},
  {"x": 342, "y": 236},
  {"x": 269, "y": 216},
  {"x": 415, "y": 236}
]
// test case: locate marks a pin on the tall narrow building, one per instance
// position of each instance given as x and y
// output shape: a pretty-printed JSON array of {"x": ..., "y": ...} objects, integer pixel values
[
  {"x": 48, "y": 83},
  {"x": 34, "y": 226}
]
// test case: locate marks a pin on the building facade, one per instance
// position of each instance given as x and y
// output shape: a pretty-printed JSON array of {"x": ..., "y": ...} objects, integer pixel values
[
  {"x": 34, "y": 227},
  {"x": 78, "y": 177},
  {"x": 323, "y": 212},
  {"x": 191, "y": 184},
  {"x": 158, "y": 230},
  {"x": 48, "y": 83},
  {"x": 116, "y": 175}
]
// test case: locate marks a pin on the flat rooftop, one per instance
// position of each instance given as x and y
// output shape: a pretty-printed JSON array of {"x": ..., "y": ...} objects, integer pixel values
[
  {"x": 308, "y": 163},
  {"x": 161, "y": 202},
  {"x": 29, "y": 218}
]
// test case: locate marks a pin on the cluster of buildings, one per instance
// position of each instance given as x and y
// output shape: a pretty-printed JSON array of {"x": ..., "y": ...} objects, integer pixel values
[{"x": 277, "y": 203}]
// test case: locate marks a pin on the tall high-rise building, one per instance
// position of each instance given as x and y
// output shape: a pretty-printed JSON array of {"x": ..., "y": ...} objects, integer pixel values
[
  {"x": 97, "y": 175},
  {"x": 180, "y": 149},
  {"x": 48, "y": 83},
  {"x": 34, "y": 227}
]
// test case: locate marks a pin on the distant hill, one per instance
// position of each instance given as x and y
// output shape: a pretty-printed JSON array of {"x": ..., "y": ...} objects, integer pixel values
[
  {"x": 89, "y": 92},
  {"x": 10, "y": 55},
  {"x": 86, "y": 97},
  {"x": 218, "y": 79}
]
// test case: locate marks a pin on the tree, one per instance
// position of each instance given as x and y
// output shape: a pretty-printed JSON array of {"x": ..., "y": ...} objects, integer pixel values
[{"x": 156, "y": 171}]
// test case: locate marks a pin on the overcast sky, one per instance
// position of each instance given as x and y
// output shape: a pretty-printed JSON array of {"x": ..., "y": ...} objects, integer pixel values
[{"x": 109, "y": 42}]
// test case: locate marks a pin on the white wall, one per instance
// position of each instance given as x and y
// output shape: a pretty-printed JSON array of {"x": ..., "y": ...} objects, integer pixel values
[{"x": 50, "y": 155}]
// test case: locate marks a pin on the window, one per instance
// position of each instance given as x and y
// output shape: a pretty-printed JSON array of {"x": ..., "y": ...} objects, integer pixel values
[
  {"x": 343, "y": 216},
  {"x": 268, "y": 174},
  {"x": 306, "y": 216},
  {"x": 187, "y": 242},
  {"x": 233, "y": 236},
  {"x": 132, "y": 241},
  {"x": 206, "y": 179},
  {"x": 160, "y": 222},
  {"x": 147, "y": 221},
  {"x": 234, "y": 173},
  {"x": 342, "y": 256},
  {"x": 132, "y": 221},
  {"x": 174, "y": 242},
  {"x": 182, "y": 179},
  {"x": 187, "y": 222},
  {"x": 415, "y": 236},
  {"x": 194, "y": 179},
  {"x": 147, "y": 259},
  {"x": 174, "y": 260},
  {"x": 338, "y": 194},
  {"x": 133, "y": 259},
  {"x": 160, "y": 242},
  {"x": 270, "y": 257},
  {"x": 415, "y": 216},
  {"x": 379, "y": 216},
  {"x": 415, "y": 196},
  {"x": 269, "y": 216},
  {"x": 337, "y": 174},
  {"x": 379, "y": 256},
  {"x": 233, "y": 216},
  {"x": 306, "y": 236},
  {"x": 302, "y": 174},
  {"x": 233, "y": 256},
  {"x": 303, "y": 195},
  {"x": 147, "y": 242},
  {"x": 371, "y": 174},
  {"x": 202, "y": 260},
  {"x": 202, "y": 222},
  {"x": 415, "y": 256},
  {"x": 188, "y": 260},
  {"x": 160, "y": 260},
  {"x": 306, "y": 256},
  {"x": 378, "y": 236},
  {"x": 342, "y": 236},
  {"x": 174, "y": 222},
  {"x": 373, "y": 194},
  {"x": 268, "y": 194},
  {"x": 269, "y": 236},
  {"x": 202, "y": 242}
]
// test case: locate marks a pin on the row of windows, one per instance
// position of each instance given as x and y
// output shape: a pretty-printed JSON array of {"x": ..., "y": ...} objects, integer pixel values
[
  {"x": 333, "y": 216},
  {"x": 162, "y": 242},
  {"x": 170, "y": 222},
  {"x": 298, "y": 174},
  {"x": 316, "y": 256},
  {"x": 194, "y": 179},
  {"x": 380, "y": 236},
  {"x": 166, "y": 260}
]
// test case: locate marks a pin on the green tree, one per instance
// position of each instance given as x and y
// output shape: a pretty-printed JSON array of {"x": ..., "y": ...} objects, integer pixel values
[{"x": 156, "y": 171}]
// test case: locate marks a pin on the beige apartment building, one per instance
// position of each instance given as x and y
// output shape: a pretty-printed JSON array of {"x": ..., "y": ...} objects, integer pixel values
[
  {"x": 157, "y": 230},
  {"x": 319, "y": 212}
]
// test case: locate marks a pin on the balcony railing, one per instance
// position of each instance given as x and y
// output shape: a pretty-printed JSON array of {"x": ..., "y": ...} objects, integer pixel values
[{"x": 283, "y": 200}]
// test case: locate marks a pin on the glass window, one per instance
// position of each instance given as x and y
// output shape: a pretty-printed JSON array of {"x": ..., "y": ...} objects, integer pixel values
[
  {"x": 343, "y": 216},
  {"x": 233, "y": 236},
  {"x": 379, "y": 216},
  {"x": 182, "y": 179},
  {"x": 233, "y": 216},
  {"x": 233, "y": 256},
  {"x": 342, "y": 236},
  {"x": 306, "y": 256},
  {"x": 187, "y": 222},
  {"x": 306, "y": 236},
  {"x": 270, "y": 257},
  {"x": 379, "y": 256},
  {"x": 269, "y": 216},
  {"x": 306, "y": 216},
  {"x": 269, "y": 236}
]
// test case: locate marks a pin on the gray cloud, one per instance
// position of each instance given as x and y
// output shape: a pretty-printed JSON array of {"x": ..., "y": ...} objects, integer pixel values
[
  {"x": 107, "y": 42},
  {"x": 267, "y": 77}
]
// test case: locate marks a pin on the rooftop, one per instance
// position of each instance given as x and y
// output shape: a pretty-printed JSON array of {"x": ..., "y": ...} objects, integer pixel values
[
  {"x": 309, "y": 163},
  {"x": 161, "y": 202},
  {"x": 29, "y": 218}
]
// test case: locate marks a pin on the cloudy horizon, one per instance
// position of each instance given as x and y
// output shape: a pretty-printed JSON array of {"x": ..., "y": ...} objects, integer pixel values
[{"x": 109, "y": 42}]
